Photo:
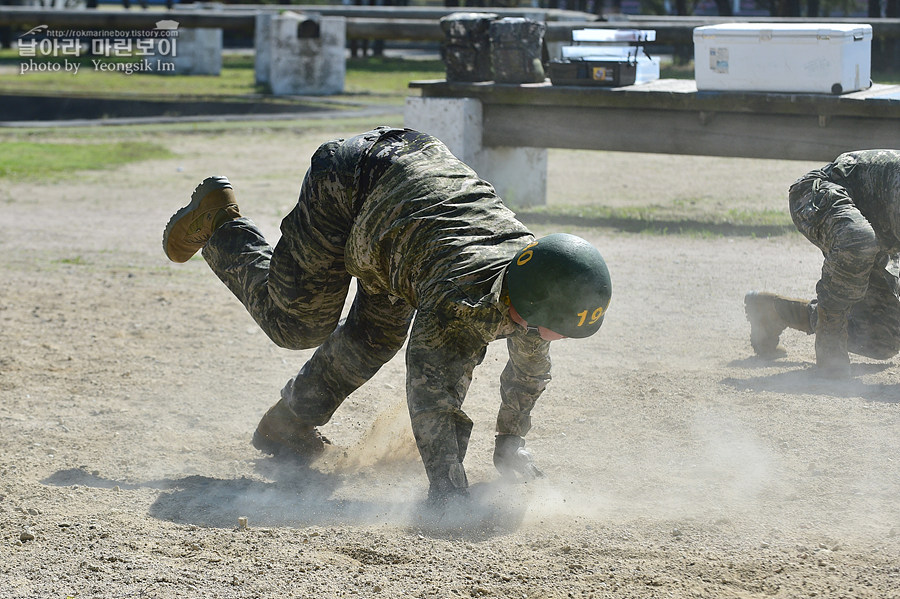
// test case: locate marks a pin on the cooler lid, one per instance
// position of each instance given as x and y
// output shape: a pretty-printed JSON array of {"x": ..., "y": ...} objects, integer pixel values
[{"x": 856, "y": 31}]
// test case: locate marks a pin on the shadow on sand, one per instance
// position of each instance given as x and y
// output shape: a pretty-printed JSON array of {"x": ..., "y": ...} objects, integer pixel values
[
  {"x": 805, "y": 381},
  {"x": 301, "y": 496}
]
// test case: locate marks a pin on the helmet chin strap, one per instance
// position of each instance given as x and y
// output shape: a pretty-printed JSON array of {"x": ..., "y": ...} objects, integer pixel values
[
  {"x": 545, "y": 333},
  {"x": 517, "y": 318}
]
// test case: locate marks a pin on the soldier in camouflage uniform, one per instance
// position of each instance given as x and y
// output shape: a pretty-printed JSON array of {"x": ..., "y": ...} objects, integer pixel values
[
  {"x": 423, "y": 236},
  {"x": 850, "y": 209}
]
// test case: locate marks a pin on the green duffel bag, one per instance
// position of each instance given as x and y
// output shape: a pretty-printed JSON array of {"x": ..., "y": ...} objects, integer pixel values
[{"x": 516, "y": 45}]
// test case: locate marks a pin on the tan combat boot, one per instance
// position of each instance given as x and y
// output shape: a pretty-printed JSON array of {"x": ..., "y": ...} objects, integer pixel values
[
  {"x": 281, "y": 432},
  {"x": 832, "y": 358},
  {"x": 212, "y": 204},
  {"x": 769, "y": 315}
]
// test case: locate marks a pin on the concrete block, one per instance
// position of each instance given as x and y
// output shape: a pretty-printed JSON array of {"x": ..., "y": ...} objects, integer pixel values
[
  {"x": 262, "y": 40},
  {"x": 518, "y": 174},
  {"x": 198, "y": 52},
  {"x": 301, "y": 54},
  {"x": 454, "y": 121}
]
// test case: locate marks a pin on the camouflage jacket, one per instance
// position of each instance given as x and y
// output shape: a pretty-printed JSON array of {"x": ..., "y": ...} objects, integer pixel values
[{"x": 872, "y": 179}]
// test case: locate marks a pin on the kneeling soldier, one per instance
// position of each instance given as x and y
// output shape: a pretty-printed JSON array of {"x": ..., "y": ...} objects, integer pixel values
[{"x": 849, "y": 209}]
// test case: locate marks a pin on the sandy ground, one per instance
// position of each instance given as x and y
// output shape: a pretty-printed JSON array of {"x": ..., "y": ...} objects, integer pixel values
[{"x": 678, "y": 465}]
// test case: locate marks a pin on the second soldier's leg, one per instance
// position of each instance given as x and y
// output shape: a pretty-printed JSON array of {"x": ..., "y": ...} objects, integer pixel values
[
  {"x": 845, "y": 276},
  {"x": 296, "y": 291},
  {"x": 769, "y": 315},
  {"x": 873, "y": 328}
]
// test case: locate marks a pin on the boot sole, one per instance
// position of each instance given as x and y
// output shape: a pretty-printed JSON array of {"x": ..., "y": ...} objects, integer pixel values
[
  {"x": 276, "y": 449},
  {"x": 266, "y": 445},
  {"x": 207, "y": 186}
]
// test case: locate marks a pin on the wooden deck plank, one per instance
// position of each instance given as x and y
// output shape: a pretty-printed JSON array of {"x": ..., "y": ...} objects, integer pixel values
[
  {"x": 880, "y": 101},
  {"x": 671, "y": 116}
]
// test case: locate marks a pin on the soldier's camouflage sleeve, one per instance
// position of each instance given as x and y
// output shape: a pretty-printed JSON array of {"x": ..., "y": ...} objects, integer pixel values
[
  {"x": 523, "y": 380},
  {"x": 440, "y": 357},
  {"x": 443, "y": 350}
]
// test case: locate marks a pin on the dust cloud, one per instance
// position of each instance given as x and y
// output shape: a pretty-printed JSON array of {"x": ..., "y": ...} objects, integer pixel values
[{"x": 713, "y": 463}]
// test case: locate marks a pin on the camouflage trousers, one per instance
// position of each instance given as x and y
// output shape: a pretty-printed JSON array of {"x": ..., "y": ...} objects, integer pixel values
[
  {"x": 296, "y": 293},
  {"x": 858, "y": 275}
]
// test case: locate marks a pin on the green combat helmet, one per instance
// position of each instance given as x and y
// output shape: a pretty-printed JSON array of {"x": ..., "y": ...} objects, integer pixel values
[{"x": 560, "y": 282}]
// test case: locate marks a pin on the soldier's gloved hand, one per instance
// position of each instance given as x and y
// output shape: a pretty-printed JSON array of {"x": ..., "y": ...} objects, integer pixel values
[{"x": 512, "y": 460}]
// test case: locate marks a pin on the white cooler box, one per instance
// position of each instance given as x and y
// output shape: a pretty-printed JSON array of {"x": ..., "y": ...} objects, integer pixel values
[{"x": 831, "y": 58}]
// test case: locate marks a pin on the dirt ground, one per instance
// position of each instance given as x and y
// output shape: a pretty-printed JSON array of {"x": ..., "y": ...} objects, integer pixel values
[{"x": 678, "y": 465}]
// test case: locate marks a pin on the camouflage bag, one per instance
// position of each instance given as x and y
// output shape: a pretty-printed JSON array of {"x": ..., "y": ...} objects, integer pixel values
[
  {"x": 466, "y": 50},
  {"x": 516, "y": 45}
]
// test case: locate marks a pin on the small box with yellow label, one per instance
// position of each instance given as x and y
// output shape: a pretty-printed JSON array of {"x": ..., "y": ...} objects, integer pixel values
[
  {"x": 592, "y": 72},
  {"x": 606, "y": 57}
]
